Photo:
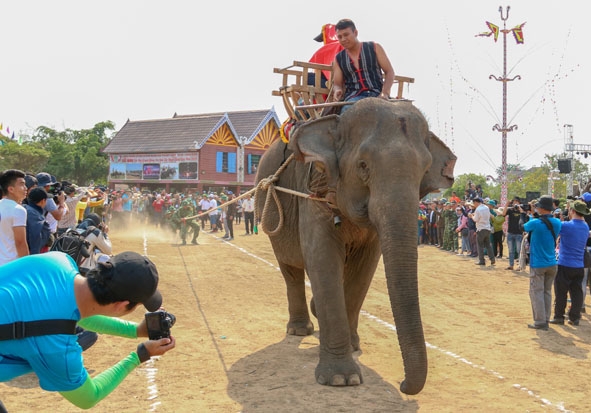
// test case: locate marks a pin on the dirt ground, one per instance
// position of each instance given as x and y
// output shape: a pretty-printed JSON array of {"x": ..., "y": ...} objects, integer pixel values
[{"x": 233, "y": 355}]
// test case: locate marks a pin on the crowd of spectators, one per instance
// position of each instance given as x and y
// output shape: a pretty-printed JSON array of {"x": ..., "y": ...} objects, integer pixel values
[{"x": 476, "y": 226}]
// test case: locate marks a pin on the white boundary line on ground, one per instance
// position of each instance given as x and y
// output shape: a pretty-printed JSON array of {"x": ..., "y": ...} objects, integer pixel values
[
  {"x": 149, "y": 369},
  {"x": 559, "y": 406}
]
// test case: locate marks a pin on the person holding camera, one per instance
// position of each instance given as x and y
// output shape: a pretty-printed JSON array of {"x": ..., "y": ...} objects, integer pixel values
[
  {"x": 569, "y": 276},
  {"x": 69, "y": 220},
  {"x": 55, "y": 205},
  {"x": 40, "y": 309},
  {"x": 99, "y": 244},
  {"x": 515, "y": 216},
  {"x": 544, "y": 230}
]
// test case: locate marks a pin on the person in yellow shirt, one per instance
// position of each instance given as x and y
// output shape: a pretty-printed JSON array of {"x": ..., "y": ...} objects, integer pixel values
[{"x": 80, "y": 208}]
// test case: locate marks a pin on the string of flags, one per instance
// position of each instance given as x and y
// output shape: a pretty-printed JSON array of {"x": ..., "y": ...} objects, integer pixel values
[
  {"x": 494, "y": 31},
  {"x": 6, "y": 133}
]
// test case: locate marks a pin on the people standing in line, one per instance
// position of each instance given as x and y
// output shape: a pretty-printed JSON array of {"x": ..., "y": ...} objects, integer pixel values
[
  {"x": 515, "y": 216},
  {"x": 574, "y": 235},
  {"x": 543, "y": 229},
  {"x": 248, "y": 207},
  {"x": 38, "y": 231},
  {"x": 13, "y": 222},
  {"x": 357, "y": 70},
  {"x": 481, "y": 217}
]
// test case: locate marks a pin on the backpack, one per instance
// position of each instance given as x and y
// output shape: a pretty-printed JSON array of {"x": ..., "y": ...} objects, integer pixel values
[{"x": 73, "y": 242}]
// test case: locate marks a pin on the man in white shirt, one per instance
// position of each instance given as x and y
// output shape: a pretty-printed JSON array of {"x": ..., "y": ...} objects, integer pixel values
[
  {"x": 481, "y": 217},
  {"x": 13, "y": 216},
  {"x": 248, "y": 208}
]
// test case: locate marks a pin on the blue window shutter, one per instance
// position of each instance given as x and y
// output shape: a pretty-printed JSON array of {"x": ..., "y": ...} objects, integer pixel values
[
  {"x": 249, "y": 164},
  {"x": 219, "y": 158},
  {"x": 232, "y": 162}
]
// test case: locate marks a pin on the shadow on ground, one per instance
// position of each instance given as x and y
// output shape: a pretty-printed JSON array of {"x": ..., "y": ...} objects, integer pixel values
[{"x": 280, "y": 377}]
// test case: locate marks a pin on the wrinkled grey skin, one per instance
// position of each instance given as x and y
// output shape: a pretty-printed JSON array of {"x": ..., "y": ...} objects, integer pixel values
[{"x": 381, "y": 159}]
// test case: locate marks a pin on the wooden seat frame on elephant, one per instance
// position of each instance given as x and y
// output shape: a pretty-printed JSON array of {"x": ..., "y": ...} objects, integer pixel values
[{"x": 304, "y": 95}]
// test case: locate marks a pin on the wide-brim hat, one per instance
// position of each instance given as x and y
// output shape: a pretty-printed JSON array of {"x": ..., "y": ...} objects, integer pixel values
[
  {"x": 44, "y": 179},
  {"x": 581, "y": 207}
]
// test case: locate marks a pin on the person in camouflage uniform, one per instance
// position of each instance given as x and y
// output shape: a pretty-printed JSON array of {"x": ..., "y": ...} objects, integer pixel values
[
  {"x": 450, "y": 223},
  {"x": 187, "y": 210}
]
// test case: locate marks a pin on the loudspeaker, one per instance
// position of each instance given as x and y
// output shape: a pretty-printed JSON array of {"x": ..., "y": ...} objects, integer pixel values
[
  {"x": 530, "y": 196},
  {"x": 564, "y": 166}
]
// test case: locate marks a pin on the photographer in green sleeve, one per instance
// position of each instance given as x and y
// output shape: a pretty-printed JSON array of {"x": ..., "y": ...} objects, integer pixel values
[{"x": 41, "y": 307}]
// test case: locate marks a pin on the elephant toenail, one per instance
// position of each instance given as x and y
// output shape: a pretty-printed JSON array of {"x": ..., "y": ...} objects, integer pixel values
[
  {"x": 338, "y": 380},
  {"x": 354, "y": 380}
]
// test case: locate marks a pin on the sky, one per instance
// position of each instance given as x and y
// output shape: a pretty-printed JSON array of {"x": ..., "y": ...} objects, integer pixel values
[{"x": 72, "y": 64}]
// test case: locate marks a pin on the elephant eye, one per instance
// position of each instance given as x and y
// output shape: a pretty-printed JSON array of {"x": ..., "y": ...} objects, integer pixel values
[{"x": 362, "y": 170}]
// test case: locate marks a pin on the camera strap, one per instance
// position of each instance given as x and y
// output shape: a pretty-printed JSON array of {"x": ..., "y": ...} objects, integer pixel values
[
  {"x": 550, "y": 227},
  {"x": 24, "y": 329}
]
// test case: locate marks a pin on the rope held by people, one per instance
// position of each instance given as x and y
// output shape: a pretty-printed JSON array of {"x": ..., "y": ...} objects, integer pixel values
[{"x": 267, "y": 184}]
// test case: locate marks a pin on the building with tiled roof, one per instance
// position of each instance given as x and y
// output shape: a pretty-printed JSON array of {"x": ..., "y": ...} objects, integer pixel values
[{"x": 203, "y": 151}]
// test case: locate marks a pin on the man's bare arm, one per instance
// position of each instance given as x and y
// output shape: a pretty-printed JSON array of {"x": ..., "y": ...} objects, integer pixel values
[
  {"x": 388, "y": 70},
  {"x": 20, "y": 241},
  {"x": 337, "y": 81}
]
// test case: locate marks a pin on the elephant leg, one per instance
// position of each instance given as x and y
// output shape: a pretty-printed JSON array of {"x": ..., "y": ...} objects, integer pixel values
[
  {"x": 359, "y": 271},
  {"x": 299, "y": 323}
]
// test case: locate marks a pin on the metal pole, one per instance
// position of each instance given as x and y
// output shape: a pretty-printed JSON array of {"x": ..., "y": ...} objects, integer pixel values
[
  {"x": 569, "y": 147},
  {"x": 504, "y": 128}
]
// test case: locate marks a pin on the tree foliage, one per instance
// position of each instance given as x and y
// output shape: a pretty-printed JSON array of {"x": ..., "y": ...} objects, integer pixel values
[
  {"x": 73, "y": 155},
  {"x": 545, "y": 179}
]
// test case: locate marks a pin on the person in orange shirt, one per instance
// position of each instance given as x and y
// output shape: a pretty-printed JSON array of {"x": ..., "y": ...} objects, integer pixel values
[{"x": 454, "y": 197}]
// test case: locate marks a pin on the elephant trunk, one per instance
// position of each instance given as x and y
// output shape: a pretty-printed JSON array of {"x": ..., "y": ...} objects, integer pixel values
[{"x": 398, "y": 238}]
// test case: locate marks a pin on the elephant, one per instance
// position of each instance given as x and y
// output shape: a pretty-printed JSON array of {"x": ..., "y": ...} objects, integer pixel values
[{"x": 373, "y": 163}]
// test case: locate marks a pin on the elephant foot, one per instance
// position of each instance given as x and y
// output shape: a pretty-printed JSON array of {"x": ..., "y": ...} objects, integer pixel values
[
  {"x": 302, "y": 328},
  {"x": 345, "y": 373}
]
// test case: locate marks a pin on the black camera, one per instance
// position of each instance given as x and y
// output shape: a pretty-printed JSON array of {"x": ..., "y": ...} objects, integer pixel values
[
  {"x": 525, "y": 207},
  {"x": 159, "y": 324}
]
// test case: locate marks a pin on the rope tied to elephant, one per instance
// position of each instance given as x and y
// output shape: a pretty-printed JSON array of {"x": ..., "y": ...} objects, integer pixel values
[{"x": 268, "y": 184}]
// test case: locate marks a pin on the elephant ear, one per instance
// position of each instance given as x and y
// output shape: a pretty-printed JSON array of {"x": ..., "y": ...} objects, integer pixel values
[
  {"x": 441, "y": 173},
  {"x": 315, "y": 140}
]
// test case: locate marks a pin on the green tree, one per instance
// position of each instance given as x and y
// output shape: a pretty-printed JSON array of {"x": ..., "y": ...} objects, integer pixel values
[
  {"x": 76, "y": 155},
  {"x": 26, "y": 157}
]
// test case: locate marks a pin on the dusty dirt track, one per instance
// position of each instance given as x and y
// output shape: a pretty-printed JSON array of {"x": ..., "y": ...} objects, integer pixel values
[{"x": 233, "y": 355}]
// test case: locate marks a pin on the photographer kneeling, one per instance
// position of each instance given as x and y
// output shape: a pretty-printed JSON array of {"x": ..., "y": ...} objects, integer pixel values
[{"x": 40, "y": 309}]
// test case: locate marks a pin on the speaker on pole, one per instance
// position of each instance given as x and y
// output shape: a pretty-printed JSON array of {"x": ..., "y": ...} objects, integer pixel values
[{"x": 564, "y": 166}]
